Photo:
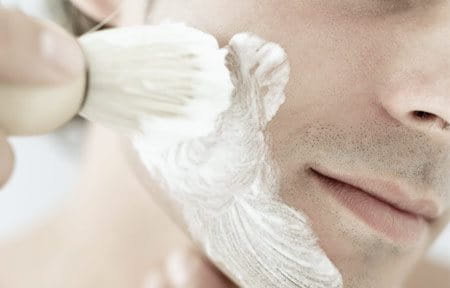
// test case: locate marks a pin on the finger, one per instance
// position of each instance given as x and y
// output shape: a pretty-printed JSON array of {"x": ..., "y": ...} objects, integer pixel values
[
  {"x": 42, "y": 74},
  {"x": 189, "y": 269},
  {"x": 6, "y": 160},
  {"x": 29, "y": 45}
]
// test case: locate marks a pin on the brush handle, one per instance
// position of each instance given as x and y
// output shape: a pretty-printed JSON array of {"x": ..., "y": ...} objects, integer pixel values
[{"x": 42, "y": 75}]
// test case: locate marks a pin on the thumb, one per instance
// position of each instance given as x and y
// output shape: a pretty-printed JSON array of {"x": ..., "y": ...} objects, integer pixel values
[
  {"x": 6, "y": 160},
  {"x": 42, "y": 74}
]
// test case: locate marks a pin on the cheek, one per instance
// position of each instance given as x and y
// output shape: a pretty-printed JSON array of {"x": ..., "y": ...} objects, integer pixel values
[
  {"x": 335, "y": 65},
  {"x": 226, "y": 183}
]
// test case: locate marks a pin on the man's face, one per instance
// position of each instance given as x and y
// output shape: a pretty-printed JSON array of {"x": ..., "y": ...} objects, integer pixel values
[{"x": 362, "y": 74}]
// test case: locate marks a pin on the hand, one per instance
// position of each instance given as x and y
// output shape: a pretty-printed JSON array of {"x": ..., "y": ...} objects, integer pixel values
[
  {"x": 187, "y": 268},
  {"x": 41, "y": 80},
  {"x": 42, "y": 75}
]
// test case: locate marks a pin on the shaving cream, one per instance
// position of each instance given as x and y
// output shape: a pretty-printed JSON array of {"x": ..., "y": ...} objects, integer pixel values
[{"x": 227, "y": 183}]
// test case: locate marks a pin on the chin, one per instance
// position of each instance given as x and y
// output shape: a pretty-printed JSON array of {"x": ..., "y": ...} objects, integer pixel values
[{"x": 364, "y": 257}]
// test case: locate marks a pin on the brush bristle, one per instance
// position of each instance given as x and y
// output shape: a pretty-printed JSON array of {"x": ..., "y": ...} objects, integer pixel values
[{"x": 168, "y": 79}]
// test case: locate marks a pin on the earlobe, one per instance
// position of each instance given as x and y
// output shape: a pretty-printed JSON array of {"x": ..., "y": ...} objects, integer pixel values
[
  {"x": 96, "y": 9},
  {"x": 123, "y": 12}
]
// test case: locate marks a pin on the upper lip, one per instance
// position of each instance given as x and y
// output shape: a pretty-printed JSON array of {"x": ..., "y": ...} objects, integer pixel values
[{"x": 392, "y": 193}]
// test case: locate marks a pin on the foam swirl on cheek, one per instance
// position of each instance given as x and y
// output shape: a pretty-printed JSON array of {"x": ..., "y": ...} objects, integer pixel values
[{"x": 228, "y": 183}]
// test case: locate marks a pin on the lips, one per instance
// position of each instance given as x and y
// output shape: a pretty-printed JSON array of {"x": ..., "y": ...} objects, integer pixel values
[
  {"x": 385, "y": 206},
  {"x": 389, "y": 192}
]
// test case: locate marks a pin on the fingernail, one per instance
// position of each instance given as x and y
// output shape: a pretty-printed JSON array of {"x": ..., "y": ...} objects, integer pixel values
[{"x": 37, "y": 52}]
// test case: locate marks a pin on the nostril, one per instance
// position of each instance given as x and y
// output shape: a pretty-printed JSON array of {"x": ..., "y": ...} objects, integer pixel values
[
  {"x": 424, "y": 116},
  {"x": 431, "y": 119}
]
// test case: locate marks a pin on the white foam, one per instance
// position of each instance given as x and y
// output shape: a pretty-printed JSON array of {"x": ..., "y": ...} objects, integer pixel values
[{"x": 227, "y": 183}]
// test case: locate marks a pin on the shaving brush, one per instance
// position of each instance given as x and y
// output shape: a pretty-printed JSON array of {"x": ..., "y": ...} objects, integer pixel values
[{"x": 171, "y": 77}]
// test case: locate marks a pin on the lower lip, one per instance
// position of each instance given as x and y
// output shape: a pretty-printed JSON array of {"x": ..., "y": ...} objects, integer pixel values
[{"x": 400, "y": 226}]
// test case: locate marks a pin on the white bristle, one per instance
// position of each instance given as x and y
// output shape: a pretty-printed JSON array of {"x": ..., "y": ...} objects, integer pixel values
[{"x": 168, "y": 79}]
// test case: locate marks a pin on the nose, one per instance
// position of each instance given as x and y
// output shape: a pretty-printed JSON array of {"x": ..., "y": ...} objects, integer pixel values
[
  {"x": 416, "y": 81},
  {"x": 421, "y": 101}
]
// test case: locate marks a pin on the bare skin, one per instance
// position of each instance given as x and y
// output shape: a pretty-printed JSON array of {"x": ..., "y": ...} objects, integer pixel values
[
  {"x": 382, "y": 112},
  {"x": 114, "y": 235},
  {"x": 84, "y": 230}
]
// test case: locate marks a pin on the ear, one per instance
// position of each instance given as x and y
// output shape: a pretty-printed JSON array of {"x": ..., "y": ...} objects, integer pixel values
[{"x": 126, "y": 12}]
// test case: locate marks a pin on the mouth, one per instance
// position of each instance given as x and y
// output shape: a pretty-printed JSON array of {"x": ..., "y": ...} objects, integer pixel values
[{"x": 382, "y": 205}]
